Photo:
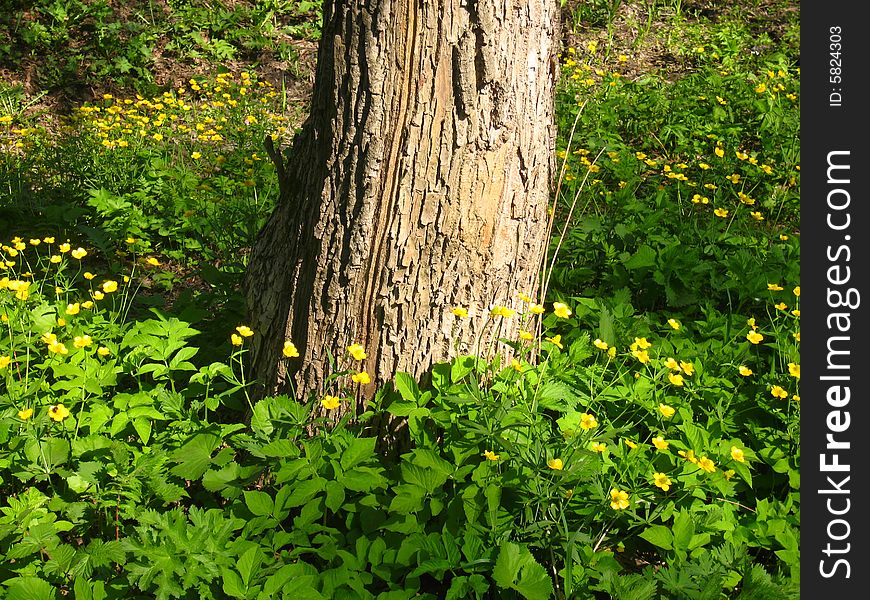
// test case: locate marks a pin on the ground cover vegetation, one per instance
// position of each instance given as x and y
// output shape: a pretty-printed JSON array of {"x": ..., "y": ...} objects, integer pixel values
[{"x": 644, "y": 443}]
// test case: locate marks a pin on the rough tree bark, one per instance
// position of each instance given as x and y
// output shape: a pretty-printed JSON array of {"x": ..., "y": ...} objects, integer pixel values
[{"x": 419, "y": 182}]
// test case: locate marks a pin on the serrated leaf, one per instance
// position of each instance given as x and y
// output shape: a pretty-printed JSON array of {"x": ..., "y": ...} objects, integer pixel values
[
  {"x": 358, "y": 450},
  {"x": 658, "y": 535},
  {"x": 259, "y": 503}
]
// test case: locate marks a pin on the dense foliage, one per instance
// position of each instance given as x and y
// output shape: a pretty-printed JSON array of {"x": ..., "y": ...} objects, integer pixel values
[{"x": 644, "y": 443}]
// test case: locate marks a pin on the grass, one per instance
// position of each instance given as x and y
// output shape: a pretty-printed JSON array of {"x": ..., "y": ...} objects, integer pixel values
[{"x": 650, "y": 449}]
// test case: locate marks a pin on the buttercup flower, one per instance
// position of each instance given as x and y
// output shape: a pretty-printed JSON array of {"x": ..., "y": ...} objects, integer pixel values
[
  {"x": 79, "y": 253},
  {"x": 290, "y": 350},
  {"x": 706, "y": 464},
  {"x": 672, "y": 364},
  {"x": 357, "y": 351},
  {"x": 490, "y": 455},
  {"x": 72, "y": 309},
  {"x": 561, "y": 310},
  {"x": 555, "y": 463},
  {"x": 660, "y": 443},
  {"x": 754, "y": 337},
  {"x": 152, "y": 261},
  {"x": 58, "y": 412},
  {"x": 687, "y": 367},
  {"x": 361, "y": 378},
  {"x": 82, "y": 341},
  {"x": 110, "y": 286},
  {"x": 245, "y": 331},
  {"x": 4, "y": 361},
  {"x": 103, "y": 351},
  {"x": 25, "y": 414},
  {"x": 598, "y": 343},
  {"x": 536, "y": 309},
  {"x": 330, "y": 402},
  {"x": 587, "y": 421},
  {"x": 676, "y": 379},
  {"x": 630, "y": 444},
  {"x": 744, "y": 370},
  {"x": 674, "y": 323},
  {"x": 662, "y": 481},
  {"x": 737, "y": 454},
  {"x": 778, "y": 392},
  {"x": 599, "y": 447},
  {"x": 460, "y": 312},
  {"x": 236, "y": 339},
  {"x": 618, "y": 499},
  {"x": 794, "y": 370},
  {"x": 774, "y": 287},
  {"x": 641, "y": 355},
  {"x": 556, "y": 340},
  {"x": 667, "y": 411},
  {"x": 526, "y": 335},
  {"x": 502, "y": 311}
]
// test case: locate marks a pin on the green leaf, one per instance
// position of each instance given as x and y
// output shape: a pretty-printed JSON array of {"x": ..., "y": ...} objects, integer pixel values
[
  {"x": 358, "y": 450},
  {"x": 684, "y": 529},
  {"x": 143, "y": 429},
  {"x": 658, "y": 535},
  {"x": 29, "y": 588},
  {"x": 232, "y": 583},
  {"x": 259, "y": 503},
  {"x": 334, "y": 495},
  {"x": 407, "y": 387},
  {"x": 249, "y": 563},
  {"x": 195, "y": 456},
  {"x": 516, "y": 568},
  {"x": 644, "y": 257}
]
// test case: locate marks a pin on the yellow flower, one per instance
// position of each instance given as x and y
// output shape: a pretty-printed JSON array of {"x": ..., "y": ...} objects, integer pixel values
[
  {"x": 641, "y": 355},
  {"x": 728, "y": 474},
  {"x": 706, "y": 464},
  {"x": 79, "y": 253},
  {"x": 662, "y": 481},
  {"x": 196, "y": 156},
  {"x": 778, "y": 392},
  {"x": 516, "y": 365},
  {"x": 65, "y": 247},
  {"x": 48, "y": 240},
  {"x": 598, "y": 343},
  {"x": 556, "y": 464},
  {"x": 794, "y": 370},
  {"x": 98, "y": 295},
  {"x": 744, "y": 370},
  {"x": 4, "y": 361},
  {"x": 536, "y": 309},
  {"x": 87, "y": 304},
  {"x": 361, "y": 378},
  {"x": 618, "y": 499},
  {"x": 797, "y": 291},
  {"x": 687, "y": 367},
  {"x": 754, "y": 337},
  {"x": 587, "y": 421},
  {"x": 490, "y": 455},
  {"x": 88, "y": 275},
  {"x": 526, "y": 335},
  {"x": 103, "y": 351},
  {"x": 82, "y": 341},
  {"x": 676, "y": 379},
  {"x": 667, "y": 411},
  {"x": 719, "y": 151},
  {"x": 796, "y": 398},
  {"x": 611, "y": 352},
  {"x": 152, "y": 261},
  {"x": 672, "y": 364},
  {"x": 502, "y": 311},
  {"x": 54, "y": 259},
  {"x": 245, "y": 331},
  {"x": 561, "y": 310},
  {"x": 330, "y": 402},
  {"x": 641, "y": 343},
  {"x": 130, "y": 240},
  {"x": 290, "y": 350},
  {"x": 599, "y": 447},
  {"x": 110, "y": 286},
  {"x": 61, "y": 322},
  {"x": 660, "y": 443},
  {"x": 760, "y": 88},
  {"x": 796, "y": 312},
  {"x": 630, "y": 444},
  {"x": 751, "y": 322},
  {"x": 58, "y": 412},
  {"x": 460, "y": 312},
  {"x": 25, "y": 414},
  {"x": 721, "y": 212},
  {"x": 774, "y": 287},
  {"x": 689, "y": 456},
  {"x": 737, "y": 454},
  {"x": 556, "y": 340},
  {"x": 357, "y": 351},
  {"x": 72, "y": 309},
  {"x": 674, "y": 323},
  {"x": 757, "y": 215}
]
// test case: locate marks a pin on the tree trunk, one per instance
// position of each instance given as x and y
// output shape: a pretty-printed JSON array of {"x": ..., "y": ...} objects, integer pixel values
[{"x": 419, "y": 182}]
